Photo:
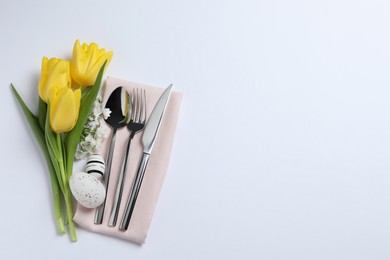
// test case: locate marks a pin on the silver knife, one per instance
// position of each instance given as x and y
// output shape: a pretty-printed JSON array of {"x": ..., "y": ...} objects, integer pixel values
[{"x": 148, "y": 140}]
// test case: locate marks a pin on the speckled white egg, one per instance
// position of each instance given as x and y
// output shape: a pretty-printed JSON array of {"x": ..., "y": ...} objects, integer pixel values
[{"x": 87, "y": 189}]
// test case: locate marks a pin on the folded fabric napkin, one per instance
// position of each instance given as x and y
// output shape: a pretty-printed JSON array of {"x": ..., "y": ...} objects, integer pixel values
[{"x": 154, "y": 175}]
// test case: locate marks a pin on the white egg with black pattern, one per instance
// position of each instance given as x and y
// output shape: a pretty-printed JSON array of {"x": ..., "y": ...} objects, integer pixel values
[
  {"x": 95, "y": 166},
  {"x": 87, "y": 189}
]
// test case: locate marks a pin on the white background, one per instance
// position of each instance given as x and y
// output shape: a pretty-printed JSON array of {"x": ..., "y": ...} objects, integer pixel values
[{"x": 282, "y": 149}]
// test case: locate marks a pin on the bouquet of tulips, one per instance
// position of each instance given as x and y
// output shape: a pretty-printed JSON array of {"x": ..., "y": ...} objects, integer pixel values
[{"x": 67, "y": 92}]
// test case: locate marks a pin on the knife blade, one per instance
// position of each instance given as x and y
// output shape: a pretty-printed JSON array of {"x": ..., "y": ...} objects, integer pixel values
[{"x": 148, "y": 139}]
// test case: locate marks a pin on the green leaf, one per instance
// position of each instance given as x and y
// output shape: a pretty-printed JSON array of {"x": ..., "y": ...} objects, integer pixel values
[
  {"x": 31, "y": 119},
  {"x": 40, "y": 137},
  {"x": 84, "y": 93},
  {"x": 73, "y": 137},
  {"x": 56, "y": 167},
  {"x": 42, "y": 109}
]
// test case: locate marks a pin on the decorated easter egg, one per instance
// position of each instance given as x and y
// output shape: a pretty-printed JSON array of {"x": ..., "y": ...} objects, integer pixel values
[
  {"x": 87, "y": 189},
  {"x": 95, "y": 165}
]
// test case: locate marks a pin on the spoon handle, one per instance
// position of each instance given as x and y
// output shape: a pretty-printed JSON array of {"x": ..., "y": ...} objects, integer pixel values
[
  {"x": 106, "y": 178},
  {"x": 119, "y": 187}
]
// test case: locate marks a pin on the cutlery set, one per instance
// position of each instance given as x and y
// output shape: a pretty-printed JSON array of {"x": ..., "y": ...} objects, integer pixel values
[{"x": 129, "y": 110}]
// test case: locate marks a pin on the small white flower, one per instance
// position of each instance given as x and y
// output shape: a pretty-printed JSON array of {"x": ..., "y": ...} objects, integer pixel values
[
  {"x": 106, "y": 113},
  {"x": 97, "y": 110},
  {"x": 97, "y": 148},
  {"x": 92, "y": 124},
  {"x": 80, "y": 154},
  {"x": 88, "y": 144},
  {"x": 95, "y": 130},
  {"x": 89, "y": 138},
  {"x": 101, "y": 132}
]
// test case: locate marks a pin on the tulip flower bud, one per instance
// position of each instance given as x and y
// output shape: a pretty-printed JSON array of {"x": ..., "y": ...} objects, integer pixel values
[
  {"x": 54, "y": 73},
  {"x": 86, "y": 62},
  {"x": 64, "y": 109}
]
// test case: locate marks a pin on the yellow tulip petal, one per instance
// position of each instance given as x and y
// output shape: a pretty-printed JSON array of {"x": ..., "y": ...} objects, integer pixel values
[
  {"x": 64, "y": 109},
  {"x": 54, "y": 73},
  {"x": 87, "y": 61},
  {"x": 42, "y": 79},
  {"x": 77, "y": 99}
]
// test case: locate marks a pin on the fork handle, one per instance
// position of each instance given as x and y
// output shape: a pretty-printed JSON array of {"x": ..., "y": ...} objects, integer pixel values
[
  {"x": 106, "y": 178},
  {"x": 119, "y": 187},
  {"x": 134, "y": 192}
]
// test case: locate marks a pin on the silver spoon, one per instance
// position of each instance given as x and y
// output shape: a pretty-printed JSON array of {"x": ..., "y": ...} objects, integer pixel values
[
  {"x": 137, "y": 116},
  {"x": 118, "y": 104}
]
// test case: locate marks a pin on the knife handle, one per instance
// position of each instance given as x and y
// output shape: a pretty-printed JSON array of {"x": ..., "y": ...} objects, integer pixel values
[{"x": 134, "y": 192}]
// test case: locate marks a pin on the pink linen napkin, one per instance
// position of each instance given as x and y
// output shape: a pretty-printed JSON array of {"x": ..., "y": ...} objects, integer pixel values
[{"x": 154, "y": 175}]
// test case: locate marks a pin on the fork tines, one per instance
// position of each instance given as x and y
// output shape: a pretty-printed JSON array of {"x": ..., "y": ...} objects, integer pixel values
[{"x": 138, "y": 105}]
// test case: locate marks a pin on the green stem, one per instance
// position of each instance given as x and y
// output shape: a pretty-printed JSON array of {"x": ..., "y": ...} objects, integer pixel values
[
  {"x": 60, "y": 160},
  {"x": 69, "y": 214},
  {"x": 66, "y": 191},
  {"x": 57, "y": 202},
  {"x": 56, "y": 197}
]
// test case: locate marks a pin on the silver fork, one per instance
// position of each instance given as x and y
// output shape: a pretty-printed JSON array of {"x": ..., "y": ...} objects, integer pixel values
[{"x": 137, "y": 113}]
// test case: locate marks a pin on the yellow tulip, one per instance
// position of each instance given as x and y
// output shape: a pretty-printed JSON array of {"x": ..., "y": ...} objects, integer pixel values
[
  {"x": 64, "y": 109},
  {"x": 86, "y": 62},
  {"x": 54, "y": 73}
]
